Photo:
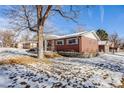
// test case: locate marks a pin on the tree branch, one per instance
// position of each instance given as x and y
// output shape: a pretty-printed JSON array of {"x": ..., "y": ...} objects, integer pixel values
[
  {"x": 63, "y": 15},
  {"x": 28, "y": 21},
  {"x": 46, "y": 14}
]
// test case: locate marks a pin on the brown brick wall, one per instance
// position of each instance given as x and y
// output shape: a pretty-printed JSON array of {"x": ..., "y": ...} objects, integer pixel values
[
  {"x": 88, "y": 45},
  {"x": 84, "y": 45},
  {"x": 65, "y": 47}
]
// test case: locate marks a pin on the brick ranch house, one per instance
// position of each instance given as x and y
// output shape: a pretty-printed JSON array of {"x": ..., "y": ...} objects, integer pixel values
[
  {"x": 82, "y": 42},
  {"x": 77, "y": 42}
]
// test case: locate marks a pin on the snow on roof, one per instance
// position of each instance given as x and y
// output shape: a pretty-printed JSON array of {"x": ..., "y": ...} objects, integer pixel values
[
  {"x": 104, "y": 42},
  {"x": 74, "y": 34},
  {"x": 62, "y": 36},
  {"x": 79, "y": 34},
  {"x": 29, "y": 41},
  {"x": 46, "y": 37}
]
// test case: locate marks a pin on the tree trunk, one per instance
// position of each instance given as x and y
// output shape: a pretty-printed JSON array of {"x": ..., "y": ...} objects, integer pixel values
[
  {"x": 40, "y": 43},
  {"x": 40, "y": 32},
  {"x": 40, "y": 24}
]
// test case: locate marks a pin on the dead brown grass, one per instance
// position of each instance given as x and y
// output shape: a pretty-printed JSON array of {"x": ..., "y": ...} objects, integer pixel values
[
  {"x": 19, "y": 60},
  {"x": 105, "y": 76},
  {"x": 46, "y": 61},
  {"x": 122, "y": 85},
  {"x": 24, "y": 60},
  {"x": 52, "y": 55}
]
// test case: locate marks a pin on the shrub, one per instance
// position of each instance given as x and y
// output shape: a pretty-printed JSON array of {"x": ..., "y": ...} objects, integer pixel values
[
  {"x": 77, "y": 54},
  {"x": 52, "y": 55}
]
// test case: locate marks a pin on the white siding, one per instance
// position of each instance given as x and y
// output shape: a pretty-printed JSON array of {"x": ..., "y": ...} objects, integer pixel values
[{"x": 90, "y": 35}]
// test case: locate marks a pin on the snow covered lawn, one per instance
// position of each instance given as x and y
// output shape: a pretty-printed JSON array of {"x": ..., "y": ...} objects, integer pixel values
[
  {"x": 120, "y": 53},
  {"x": 104, "y": 71}
]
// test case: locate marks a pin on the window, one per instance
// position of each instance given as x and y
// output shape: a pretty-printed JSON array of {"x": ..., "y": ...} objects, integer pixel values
[
  {"x": 60, "y": 42},
  {"x": 26, "y": 45},
  {"x": 72, "y": 41}
]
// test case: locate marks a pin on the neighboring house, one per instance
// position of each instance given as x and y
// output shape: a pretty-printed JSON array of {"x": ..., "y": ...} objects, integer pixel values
[
  {"x": 107, "y": 46},
  {"x": 104, "y": 46},
  {"x": 122, "y": 47},
  {"x": 116, "y": 48},
  {"x": 27, "y": 44}
]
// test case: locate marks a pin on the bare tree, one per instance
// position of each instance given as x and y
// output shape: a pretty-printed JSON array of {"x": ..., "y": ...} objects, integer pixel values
[
  {"x": 25, "y": 37},
  {"x": 115, "y": 40},
  {"x": 34, "y": 17},
  {"x": 7, "y": 38}
]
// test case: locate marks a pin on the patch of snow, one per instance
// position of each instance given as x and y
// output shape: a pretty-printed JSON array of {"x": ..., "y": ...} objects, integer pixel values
[
  {"x": 120, "y": 53},
  {"x": 105, "y": 71},
  {"x": 6, "y": 53}
]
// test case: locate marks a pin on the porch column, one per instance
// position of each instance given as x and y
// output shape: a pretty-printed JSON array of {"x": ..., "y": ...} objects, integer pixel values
[
  {"x": 107, "y": 48},
  {"x": 45, "y": 45}
]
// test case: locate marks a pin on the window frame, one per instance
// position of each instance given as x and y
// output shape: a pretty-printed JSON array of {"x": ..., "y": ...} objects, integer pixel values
[
  {"x": 76, "y": 41},
  {"x": 59, "y": 41}
]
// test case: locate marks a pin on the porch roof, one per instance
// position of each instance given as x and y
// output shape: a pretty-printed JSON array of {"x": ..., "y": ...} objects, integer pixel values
[
  {"x": 48, "y": 37},
  {"x": 104, "y": 43}
]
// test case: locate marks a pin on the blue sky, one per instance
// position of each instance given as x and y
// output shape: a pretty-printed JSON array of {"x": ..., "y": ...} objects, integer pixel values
[{"x": 110, "y": 18}]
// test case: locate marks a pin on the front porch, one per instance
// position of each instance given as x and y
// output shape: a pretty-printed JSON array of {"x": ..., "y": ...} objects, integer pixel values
[
  {"x": 49, "y": 42},
  {"x": 49, "y": 45}
]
